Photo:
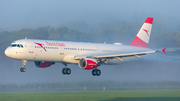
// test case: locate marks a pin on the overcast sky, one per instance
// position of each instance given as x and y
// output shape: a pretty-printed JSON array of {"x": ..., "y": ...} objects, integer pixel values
[{"x": 38, "y": 13}]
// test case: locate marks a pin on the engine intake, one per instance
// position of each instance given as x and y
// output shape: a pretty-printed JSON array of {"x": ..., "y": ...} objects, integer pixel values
[
  {"x": 87, "y": 63},
  {"x": 41, "y": 64}
]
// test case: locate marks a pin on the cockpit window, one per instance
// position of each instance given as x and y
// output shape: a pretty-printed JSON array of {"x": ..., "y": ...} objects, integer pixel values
[
  {"x": 13, "y": 45},
  {"x": 16, "y": 45},
  {"x": 21, "y": 45}
]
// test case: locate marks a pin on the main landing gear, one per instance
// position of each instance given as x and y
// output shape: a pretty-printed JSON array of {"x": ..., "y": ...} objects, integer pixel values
[
  {"x": 23, "y": 69},
  {"x": 96, "y": 72},
  {"x": 66, "y": 70}
]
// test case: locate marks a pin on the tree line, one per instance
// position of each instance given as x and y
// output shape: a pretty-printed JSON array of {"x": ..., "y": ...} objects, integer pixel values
[
  {"x": 93, "y": 85},
  {"x": 123, "y": 32}
]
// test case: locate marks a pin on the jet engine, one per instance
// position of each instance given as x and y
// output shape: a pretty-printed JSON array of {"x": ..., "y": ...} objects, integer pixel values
[
  {"x": 41, "y": 64},
  {"x": 87, "y": 63}
]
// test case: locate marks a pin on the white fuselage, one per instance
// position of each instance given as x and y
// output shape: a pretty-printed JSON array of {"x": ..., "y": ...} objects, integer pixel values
[{"x": 62, "y": 51}]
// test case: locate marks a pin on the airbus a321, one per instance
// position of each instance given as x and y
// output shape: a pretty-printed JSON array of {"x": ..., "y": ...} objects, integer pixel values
[{"x": 89, "y": 56}]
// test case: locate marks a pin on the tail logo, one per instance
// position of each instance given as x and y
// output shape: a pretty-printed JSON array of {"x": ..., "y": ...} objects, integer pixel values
[
  {"x": 146, "y": 31},
  {"x": 41, "y": 45}
]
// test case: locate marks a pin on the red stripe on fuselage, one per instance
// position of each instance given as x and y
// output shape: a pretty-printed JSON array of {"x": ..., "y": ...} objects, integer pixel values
[
  {"x": 139, "y": 43},
  {"x": 149, "y": 20}
]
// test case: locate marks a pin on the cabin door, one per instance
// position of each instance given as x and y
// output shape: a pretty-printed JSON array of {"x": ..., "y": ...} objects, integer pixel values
[
  {"x": 31, "y": 48},
  {"x": 61, "y": 50}
]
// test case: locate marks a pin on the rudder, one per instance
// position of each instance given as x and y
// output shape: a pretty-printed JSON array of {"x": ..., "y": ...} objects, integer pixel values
[{"x": 142, "y": 38}]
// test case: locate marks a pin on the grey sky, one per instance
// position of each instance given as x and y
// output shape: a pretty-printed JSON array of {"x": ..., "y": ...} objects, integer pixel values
[{"x": 37, "y": 13}]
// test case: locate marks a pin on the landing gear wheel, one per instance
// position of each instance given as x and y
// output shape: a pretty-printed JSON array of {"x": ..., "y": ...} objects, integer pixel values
[
  {"x": 96, "y": 72},
  {"x": 66, "y": 71},
  {"x": 22, "y": 69}
]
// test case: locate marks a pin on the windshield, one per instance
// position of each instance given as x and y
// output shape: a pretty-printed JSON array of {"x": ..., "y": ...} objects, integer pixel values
[{"x": 16, "y": 45}]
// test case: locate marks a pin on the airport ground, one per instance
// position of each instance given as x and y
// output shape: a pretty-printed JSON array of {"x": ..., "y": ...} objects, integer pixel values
[{"x": 98, "y": 94}]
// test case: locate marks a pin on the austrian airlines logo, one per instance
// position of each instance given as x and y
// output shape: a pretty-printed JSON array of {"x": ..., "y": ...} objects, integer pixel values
[
  {"x": 41, "y": 45},
  {"x": 146, "y": 31},
  {"x": 55, "y": 44}
]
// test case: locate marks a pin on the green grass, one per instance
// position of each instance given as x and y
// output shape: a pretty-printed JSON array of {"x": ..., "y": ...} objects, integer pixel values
[{"x": 108, "y": 95}]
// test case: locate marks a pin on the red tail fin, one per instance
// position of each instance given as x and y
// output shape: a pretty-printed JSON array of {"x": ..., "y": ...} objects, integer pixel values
[{"x": 142, "y": 38}]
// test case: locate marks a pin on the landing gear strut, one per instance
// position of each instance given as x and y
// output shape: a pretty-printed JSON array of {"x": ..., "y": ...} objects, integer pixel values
[
  {"x": 23, "y": 69},
  {"x": 66, "y": 70},
  {"x": 96, "y": 72}
]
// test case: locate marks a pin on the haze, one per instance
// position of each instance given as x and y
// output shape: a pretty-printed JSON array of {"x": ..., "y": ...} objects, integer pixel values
[{"x": 18, "y": 14}]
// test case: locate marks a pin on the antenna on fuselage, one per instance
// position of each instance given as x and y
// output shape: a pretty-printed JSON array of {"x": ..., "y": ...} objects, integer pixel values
[{"x": 25, "y": 38}]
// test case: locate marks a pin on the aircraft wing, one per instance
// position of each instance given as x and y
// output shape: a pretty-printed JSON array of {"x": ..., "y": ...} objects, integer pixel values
[{"x": 114, "y": 56}]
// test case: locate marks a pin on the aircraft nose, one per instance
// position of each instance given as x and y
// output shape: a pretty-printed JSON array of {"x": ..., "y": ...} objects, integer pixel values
[{"x": 8, "y": 52}]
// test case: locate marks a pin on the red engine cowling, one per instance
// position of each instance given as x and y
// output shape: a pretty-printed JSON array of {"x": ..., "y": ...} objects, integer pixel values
[
  {"x": 41, "y": 64},
  {"x": 87, "y": 63}
]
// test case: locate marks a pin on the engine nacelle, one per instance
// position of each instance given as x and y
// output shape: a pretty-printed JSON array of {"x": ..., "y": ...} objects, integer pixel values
[
  {"x": 87, "y": 63},
  {"x": 41, "y": 64}
]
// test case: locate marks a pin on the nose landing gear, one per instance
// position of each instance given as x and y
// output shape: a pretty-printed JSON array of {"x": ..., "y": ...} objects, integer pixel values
[{"x": 23, "y": 69}]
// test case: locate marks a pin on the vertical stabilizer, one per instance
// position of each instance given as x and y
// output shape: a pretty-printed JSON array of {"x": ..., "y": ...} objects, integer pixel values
[{"x": 142, "y": 38}]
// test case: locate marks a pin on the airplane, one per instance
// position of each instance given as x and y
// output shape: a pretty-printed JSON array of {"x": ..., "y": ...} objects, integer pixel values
[{"x": 89, "y": 56}]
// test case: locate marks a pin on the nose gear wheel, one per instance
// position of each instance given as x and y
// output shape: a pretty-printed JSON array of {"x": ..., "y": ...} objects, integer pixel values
[{"x": 22, "y": 69}]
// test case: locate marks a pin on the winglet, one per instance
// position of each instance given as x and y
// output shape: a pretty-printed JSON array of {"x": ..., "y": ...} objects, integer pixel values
[{"x": 164, "y": 50}]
